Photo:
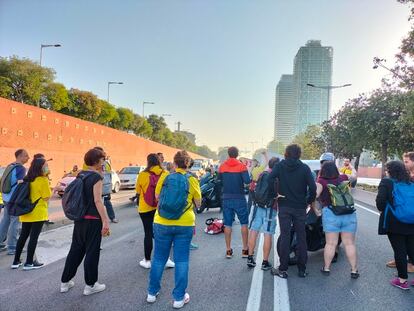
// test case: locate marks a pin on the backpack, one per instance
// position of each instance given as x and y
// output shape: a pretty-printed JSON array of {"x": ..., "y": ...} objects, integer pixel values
[
  {"x": 342, "y": 202},
  {"x": 20, "y": 202},
  {"x": 5, "y": 184},
  {"x": 149, "y": 195},
  {"x": 214, "y": 226},
  {"x": 261, "y": 191},
  {"x": 73, "y": 200},
  {"x": 173, "y": 197},
  {"x": 403, "y": 205}
]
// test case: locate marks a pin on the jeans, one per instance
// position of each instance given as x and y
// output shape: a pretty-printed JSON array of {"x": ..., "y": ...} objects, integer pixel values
[
  {"x": 9, "y": 228},
  {"x": 164, "y": 237},
  {"x": 109, "y": 207}
]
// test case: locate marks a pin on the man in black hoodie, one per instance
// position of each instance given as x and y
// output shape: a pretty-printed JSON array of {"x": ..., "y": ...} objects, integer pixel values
[{"x": 296, "y": 189}]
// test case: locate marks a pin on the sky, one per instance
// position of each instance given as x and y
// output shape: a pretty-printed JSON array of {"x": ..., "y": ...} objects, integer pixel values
[{"x": 212, "y": 64}]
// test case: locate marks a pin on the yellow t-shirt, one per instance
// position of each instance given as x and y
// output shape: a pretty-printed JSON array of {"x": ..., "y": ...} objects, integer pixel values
[
  {"x": 39, "y": 188},
  {"x": 188, "y": 218},
  {"x": 142, "y": 186},
  {"x": 345, "y": 170},
  {"x": 257, "y": 171}
]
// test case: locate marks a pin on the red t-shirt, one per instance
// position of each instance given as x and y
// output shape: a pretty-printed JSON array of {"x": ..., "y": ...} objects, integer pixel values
[{"x": 325, "y": 197}]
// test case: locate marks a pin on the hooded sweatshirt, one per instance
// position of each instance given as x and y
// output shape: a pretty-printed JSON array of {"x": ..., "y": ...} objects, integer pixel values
[
  {"x": 233, "y": 175},
  {"x": 295, "y": 182}
]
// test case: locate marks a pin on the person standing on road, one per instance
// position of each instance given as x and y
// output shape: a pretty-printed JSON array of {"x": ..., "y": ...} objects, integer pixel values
[
  {"x": 296, "y": 190},
  {"x": 9, "y": 225},
  {"x": 401, "y": 235},
  {"x": 32, "y": 222},
  {"x": 254, "y": 176},
  {"x": 233, "y": 176},
  {"x": 263, "y": 220},
  {"x": 145, "y": 188},
  {"x": 336, "y": 225},
  {"x": 349, "y": 171},
  {"x": 173, "y": 227},
  {"x": 88, "y": 232}
]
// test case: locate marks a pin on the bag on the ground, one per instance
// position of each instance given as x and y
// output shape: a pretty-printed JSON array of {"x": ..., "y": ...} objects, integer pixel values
[
  {"x": 149, "y": 195},
  {"x": 214, "y": 226},
  {"x": 73, "y": 201},
  {"x": 261, "y": 191},
  {"x": 20, "y": 202},
  {"x": 403, "y": 205},
  {"x": 341, "y": 198},
  {"x": 173, "y": 197},
  {"x": 5, "y": 184}
]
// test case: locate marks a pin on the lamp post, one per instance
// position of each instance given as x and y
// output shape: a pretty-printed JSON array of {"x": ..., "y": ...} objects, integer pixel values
[
  {"x": 46, "y": 46},
  {"x": 112, "y": 82},
  {"x": 143, "y": 107},
  {"x": 328, "y": 88}
]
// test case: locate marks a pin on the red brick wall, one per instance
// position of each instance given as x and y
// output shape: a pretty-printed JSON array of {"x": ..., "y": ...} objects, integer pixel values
[{"x": 66, "y": 139}]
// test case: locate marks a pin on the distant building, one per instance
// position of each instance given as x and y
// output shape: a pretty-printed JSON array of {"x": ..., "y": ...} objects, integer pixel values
[{"x": 285, "y": 110}]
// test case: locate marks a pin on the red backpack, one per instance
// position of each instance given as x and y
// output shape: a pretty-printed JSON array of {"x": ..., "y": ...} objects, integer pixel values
[
  {"x": 214, "y": 226},
  {"x": 149, "y": 195}
]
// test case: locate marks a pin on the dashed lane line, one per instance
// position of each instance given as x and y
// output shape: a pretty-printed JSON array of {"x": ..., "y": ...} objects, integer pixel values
[
  {"x": 280, "y": 286},
  {"x": 367, "y": 209},
  {"x": 255, "y": 294}
]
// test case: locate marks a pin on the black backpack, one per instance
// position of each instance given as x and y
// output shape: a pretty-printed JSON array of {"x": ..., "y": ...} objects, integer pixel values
[
  {"x": 73, "y": 199},
  {"x": 20, "y": 203},
  {"x": 261, "y": 192}
]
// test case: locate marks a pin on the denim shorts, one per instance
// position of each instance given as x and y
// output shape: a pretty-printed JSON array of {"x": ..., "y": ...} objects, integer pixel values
[
  {"x": 232, "y": 207},
  {"x": 263, "y": 220},
  {"x": 338, "y": 223}
]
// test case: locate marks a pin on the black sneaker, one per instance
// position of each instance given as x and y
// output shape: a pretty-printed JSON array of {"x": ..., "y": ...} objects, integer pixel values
[
  {"x": 281, "y": 274},
  {"x": 266, "y": 265},
  {"x": 16, "y": 265},
  {"x": 250, "y": 262},
  {"x": 34, "y": 265},
  {"x": 302, "y": 274}
]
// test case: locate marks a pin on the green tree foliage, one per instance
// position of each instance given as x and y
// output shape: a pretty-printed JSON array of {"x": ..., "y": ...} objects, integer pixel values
[
  {"x": 84, "y": 105},
  {"x": 109, "y": 115},
  {"x": 56, "y": 98},
  {"x": 311, "y": 149},
  {"x": 158, "y": 128},
  {"x": 205, "y": 151},
  {"x": 276, "y": 147},
  {"x": 125, "y": 119}
]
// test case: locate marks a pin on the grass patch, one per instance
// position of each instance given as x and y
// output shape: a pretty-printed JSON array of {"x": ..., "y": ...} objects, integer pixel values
[{"x": 370, "y": 188}]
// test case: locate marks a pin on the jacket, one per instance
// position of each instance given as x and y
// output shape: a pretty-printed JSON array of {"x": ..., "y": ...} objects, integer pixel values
[
  {"x": 233, "y": 176},
  {"x": 293, "y": 180}
]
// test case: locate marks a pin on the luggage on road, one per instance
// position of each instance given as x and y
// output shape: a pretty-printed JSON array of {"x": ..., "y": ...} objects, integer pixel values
[{"x": 214, "y": 226}]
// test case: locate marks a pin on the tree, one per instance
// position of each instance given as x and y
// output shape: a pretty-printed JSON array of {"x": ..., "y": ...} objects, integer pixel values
[
  {"x": 84, "y": 105},
  {"x": 158, "y": 125},
  {"x": 56, "y": 98},
  {"x": 276, "y": 147},
  {"x": 109, "y": 115},
  {"x": 141, "y": 127},
  {"x": 191, "y": 137},
  {"x": 125, "y": 119},
  {"x": 205, "y": 151},
  {"x": 311, "y": 149},
  {"x": 222, "y": 153}
]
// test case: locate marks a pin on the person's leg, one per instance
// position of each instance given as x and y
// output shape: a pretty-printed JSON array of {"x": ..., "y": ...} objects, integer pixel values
[
  {"x": 93, "y": 239},
  {"x": 243, "y": 216},
  {"x": 109, "y": 207},
  {"x": 252, "y": 241},
  {"x": 330, "y": 248},
  {"x": 76, "y": 252},
  {"x": 228, "y": 216},
  {"x": 181, "y": 243},
  {"x": 26, "y": 227},
  {"x": 410, "y": 247},
  {"x": 299, "y": 220},
  {"x": 34, "y": 236},
  {"x": 398, "y": 243},
  {"x": 285, "y": 222},
  {"x": 4, "y": 226},
  {"x": 267, "y": 246},
  {"x": 13, "y": 233},
  {"x": 348, "y": 239},
  {"x": 147, "y": 222},
  {"x": 250, "y": 201},
  {"x": 163, "y": 238}
]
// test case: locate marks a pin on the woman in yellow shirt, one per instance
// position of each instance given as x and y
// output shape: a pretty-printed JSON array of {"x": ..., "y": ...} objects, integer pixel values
[
  {"x": 32, "y": 222},
  {"x": 176, "y": 233},
  {"x": 145, "y": 188}
]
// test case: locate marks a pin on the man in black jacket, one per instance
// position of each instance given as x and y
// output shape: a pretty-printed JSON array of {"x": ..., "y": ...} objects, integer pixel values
[{"x": 296, "y": 189}]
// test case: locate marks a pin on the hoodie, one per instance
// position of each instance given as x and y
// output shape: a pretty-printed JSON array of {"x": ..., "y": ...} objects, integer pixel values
[
  {"x": 233, "y": 175},
  {"x": 295, "y": 182}
]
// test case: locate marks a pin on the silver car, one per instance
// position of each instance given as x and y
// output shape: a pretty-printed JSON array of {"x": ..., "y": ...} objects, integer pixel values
[{"x": 128, "y": 176}]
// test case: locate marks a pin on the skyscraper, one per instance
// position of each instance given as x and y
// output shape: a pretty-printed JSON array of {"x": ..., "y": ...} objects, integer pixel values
[{"x": 296, "y": 104}]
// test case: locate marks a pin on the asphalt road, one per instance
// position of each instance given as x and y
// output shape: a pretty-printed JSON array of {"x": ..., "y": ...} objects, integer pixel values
[{"x": 216, "y": 283}]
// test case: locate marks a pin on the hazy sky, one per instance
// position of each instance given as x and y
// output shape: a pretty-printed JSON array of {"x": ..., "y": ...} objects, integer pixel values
[{"x": 212, "y": 64}]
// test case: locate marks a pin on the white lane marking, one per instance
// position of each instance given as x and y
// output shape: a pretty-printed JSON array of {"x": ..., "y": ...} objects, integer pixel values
[
  {"x": 280, "y": 286},
  {"x": 255, "y": 294},
  {"x": 367, "y": 209}
]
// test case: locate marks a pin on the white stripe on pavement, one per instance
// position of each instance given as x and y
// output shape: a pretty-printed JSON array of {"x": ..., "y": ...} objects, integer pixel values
[
  {"x": 280, "y": 286},
  {"x": 255, "y": 294},
  {"x": 367, "y": 209}
]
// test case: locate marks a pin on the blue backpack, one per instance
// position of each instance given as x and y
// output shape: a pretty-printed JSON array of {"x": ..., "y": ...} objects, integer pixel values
[
  {"x": 403, "y": 207},
  {"x": 173, "y": 197}
]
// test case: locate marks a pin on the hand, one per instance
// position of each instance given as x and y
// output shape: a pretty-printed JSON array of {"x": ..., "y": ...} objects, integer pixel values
[
  {"x": 280, "y": 196},
  {"x": 105, "y": 228}
]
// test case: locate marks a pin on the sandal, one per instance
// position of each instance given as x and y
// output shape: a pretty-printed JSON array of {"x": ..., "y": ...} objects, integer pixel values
[
  {"x": 325, "y": 271},
  {"x": 354, "y": 275}
]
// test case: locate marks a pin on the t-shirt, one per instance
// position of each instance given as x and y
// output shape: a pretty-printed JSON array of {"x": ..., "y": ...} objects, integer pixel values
[
  {"x": 17, "y": 174},
  {"x": 88, "y": 184},
  {"x": 346, "y": 170},
  {"x": 39, "y": 188},
  {"x": 257, "y": 171},
  {"x": 142, "y": 186},
  {"x": 325, "y": 197},
  {"x": 194, "y": 192}
]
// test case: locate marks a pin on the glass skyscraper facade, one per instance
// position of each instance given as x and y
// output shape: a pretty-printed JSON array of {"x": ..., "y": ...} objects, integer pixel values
[{"x": 285, "y": 110}]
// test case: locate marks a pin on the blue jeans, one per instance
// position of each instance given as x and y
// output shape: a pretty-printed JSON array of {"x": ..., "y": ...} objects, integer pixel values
[
  {"x": 9, "y": 228},
  {"x": 164, "y": 237}
]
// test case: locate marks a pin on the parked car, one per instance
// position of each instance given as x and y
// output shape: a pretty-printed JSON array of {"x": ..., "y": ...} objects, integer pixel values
[
  {"x": 65, "y": 181},
  {"x": 128, "y": 176}
]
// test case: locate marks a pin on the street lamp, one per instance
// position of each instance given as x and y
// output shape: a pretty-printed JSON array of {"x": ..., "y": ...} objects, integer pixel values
[
  {"x": 46, "y": 46},
  {"x": 328, "y": 88},
  {"x": 112, "y": 82},
  {"x": 143, "y": 107}
]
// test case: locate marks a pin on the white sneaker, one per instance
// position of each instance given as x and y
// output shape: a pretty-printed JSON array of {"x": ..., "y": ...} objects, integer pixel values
[
  {"x": 64, "y": 287},
  {"x": 152, "y": 298},
  {"x": 170, "y": 263},
  {"x": 181, "y": 303},
  {"x": 96, "y": 288},
  {"x": 145, "y": 263}
]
